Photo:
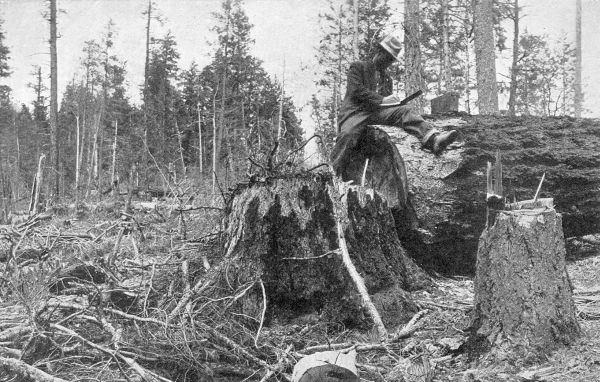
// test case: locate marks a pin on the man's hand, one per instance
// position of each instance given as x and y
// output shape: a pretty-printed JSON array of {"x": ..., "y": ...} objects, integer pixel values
[{"x": 391, "y": 99}]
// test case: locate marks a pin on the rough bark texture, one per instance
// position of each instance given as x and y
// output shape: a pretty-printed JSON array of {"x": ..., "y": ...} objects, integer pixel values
[
  {"x": 523, "y": 296},
  {"x": 54, "y": 152},
  {"x": 413, "y": 80},
  {"x": 279, "y": 230},
  {"x": 485, "y": 57},
  {"x": 448, "y": 191}
]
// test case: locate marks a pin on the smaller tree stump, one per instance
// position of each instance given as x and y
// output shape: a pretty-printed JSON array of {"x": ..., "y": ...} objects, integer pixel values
[
  {"x": 523, "y": 296},
  {"x": 446, "y": 103}
]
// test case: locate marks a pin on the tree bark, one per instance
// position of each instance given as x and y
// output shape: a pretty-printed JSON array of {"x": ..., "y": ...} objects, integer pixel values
[
  {"x": 77, "y": 159},
  {"x": 412, "y": 51},
  {"x": 37, "y": 183},
  {"x": 113, "y": 171},
  {"x": 54, "y": 100},
  {"x": 200, "y": 147},
  {"x": 145, "y": 93},
  {"x": 578, "y": 60},
  {"x": 512, "y": 99},
  {"x": 485, "y": 57},
  {"x": 446, "y": 69},
  {"x": 448, "y": 191},
  {"x": 284, "y": 232},
  {"x": 523, "y": 297},
  {"x": 27, "y": 371},
  {"x": 355, "y": 11},
  {"x": 280, "y": 111}
]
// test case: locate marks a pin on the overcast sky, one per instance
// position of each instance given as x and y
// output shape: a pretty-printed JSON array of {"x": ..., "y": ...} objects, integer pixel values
[{"x": 282, "y": 29}]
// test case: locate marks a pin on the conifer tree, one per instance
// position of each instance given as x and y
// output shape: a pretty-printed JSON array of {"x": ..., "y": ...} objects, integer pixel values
[{"x": 4, "y": 68}]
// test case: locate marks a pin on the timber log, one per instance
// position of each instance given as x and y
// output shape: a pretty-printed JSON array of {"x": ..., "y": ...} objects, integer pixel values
[{"x": 448, "y": 191}]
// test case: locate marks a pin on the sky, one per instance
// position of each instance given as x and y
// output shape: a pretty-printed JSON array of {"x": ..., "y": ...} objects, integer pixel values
[{"x": 284, "y": 31}]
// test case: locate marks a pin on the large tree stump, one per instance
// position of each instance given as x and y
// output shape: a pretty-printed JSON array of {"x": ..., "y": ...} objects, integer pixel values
[
  {"x": 282, "y": 231},
  {"x": 523, "y": 296}
]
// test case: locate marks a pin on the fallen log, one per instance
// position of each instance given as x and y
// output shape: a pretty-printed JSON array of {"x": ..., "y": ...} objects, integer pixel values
[
  {"x": 25, "y": 371},
  {"x": 448, "y": 191}
]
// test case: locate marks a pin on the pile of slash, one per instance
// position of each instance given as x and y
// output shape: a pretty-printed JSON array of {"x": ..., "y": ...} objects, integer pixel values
[{"x": 119, "y": 292}]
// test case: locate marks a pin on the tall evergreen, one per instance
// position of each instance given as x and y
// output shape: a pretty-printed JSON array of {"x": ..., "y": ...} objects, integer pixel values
[
  {"x": 4, "y": 68},
  {"x": 163, "y": 100},
  {"x": 237, "y": 99}
]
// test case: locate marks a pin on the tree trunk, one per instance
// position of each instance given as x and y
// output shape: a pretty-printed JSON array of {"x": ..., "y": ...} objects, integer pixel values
[
  {"x": 113, "y": 171},
  {"x": 512, "y": 99},
  {"x": 180, "y": 149},
  {"x": 37, "y": 184},
  {"x": 446, "y": 69},
  {"x": 77, "y": 159},
  {"x": 280, "y": 111},
  {"x": 145, "y": 94},
  {"x": 412, "y": 51},
  {"x": 337, "y": 85},
  {"x": 54, "y": 100},
  {"x": 214, "y": 148},
  {"x": 485, "y": 57},
  {"x": 448, "y": 191},
  {"x": 200, "y": 147},
  {"x": 284, "y": 232},
  {"x": 355, "y": 50},
  {"x": 523, "y": 297},
  {"x": 467, "y": 69},
  {"x": 578, "y": 60}
]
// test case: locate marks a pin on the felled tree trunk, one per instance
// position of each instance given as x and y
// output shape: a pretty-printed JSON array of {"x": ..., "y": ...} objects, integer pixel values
[
  {"x": 523, "y": 297},
  {"x": 448, "y": 191},
  {"x": 282, "y": 232}
]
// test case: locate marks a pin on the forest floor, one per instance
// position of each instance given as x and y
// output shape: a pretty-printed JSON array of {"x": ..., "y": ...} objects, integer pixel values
[
  {"x": 442, "y": 332},
  {"x": 90, "y": 294}
]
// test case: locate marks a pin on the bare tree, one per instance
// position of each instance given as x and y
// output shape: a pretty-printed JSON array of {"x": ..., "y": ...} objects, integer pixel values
[
  {"x": 54, "y": 153},
  {"x": 280, "y": 116},
  {"x": 578, "y": 91},
  {"x": 485, "y": 57}
]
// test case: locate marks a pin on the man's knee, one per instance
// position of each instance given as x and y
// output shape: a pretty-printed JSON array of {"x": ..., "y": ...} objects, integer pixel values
[{"x": 405, "y": 115}]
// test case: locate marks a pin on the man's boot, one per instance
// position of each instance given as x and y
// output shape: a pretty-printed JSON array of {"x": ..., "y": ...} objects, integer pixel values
[
  {"x": 437, "y": 142},
  {"x": 443, "y": 140}
]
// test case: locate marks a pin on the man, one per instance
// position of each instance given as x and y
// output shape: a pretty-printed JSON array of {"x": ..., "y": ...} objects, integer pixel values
[{"x": 368, "y": 94}]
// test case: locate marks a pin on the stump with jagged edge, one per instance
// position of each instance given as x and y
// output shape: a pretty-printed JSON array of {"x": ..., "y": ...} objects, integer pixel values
[
  {"x": 523, "y": 296},
  {"x": 281, "y": 232}
]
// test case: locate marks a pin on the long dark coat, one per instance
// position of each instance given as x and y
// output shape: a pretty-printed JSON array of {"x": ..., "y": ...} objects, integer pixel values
[{"x": 366, "y": 88}]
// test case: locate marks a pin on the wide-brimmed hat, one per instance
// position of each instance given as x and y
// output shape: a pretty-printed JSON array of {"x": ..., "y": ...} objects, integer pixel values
[{"x": 392, "y": 44}]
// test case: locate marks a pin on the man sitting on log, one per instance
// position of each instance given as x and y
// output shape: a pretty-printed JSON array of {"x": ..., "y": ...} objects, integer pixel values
[{"x": 369, "y": 101}]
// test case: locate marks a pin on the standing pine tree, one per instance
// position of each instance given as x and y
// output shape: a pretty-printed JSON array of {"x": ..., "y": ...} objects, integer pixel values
[
  {"x": 54, "y": 133},
  {"x": 162, "y": 103},
  {"x": 240, "y": 104},
  {"x": 444, "y": 46},
  {"x": 577, "y": 86},
  {"x": 4, "y": 68}
]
